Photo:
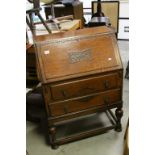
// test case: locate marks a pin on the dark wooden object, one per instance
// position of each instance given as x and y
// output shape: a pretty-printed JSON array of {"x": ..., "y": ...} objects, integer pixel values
[
  {"x": 111, "y": 10},
  {"x": 99, "y": 21},
  {"x": 81, "y": 74},
  {"x": 99, "y": 12}
]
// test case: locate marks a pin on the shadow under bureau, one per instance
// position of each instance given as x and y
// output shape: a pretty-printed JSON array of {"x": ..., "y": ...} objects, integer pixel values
[{"x": 82, "y": 79}]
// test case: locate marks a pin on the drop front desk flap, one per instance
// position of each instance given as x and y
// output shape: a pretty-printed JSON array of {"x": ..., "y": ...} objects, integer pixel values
[{"x": 81, "y": 73}]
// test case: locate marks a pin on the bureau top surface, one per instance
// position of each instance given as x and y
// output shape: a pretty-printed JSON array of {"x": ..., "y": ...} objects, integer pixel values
[
  {"x": 77, "y": 53},
  {"x": 73, "y": 33}
]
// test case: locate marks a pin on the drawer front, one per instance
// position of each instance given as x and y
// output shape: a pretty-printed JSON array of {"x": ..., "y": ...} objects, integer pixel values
[
  {"x": 85, "y": 86},
  {"x": 82, "y": 103}
]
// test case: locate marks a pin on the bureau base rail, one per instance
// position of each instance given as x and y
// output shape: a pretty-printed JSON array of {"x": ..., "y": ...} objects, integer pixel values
[{"x": 88, "y": 126}]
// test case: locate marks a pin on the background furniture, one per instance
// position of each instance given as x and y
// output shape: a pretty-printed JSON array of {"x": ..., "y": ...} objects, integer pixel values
[
  {"x": 31, "y": 69},
  {"x": 60, "y": 24},
  {"x": 98, "y": 18},
  {"x": 124, "y": 20},
  {"x": 99, "y": 12},
  {"x": 99, "y": 21},
  {"x": 29, "y": 16},
  {"x": 76, "y": 10},
  {"x": 80, "y": 79},
  {"x": 123, "y": 29},
  {"x": 110, "y": 10}
]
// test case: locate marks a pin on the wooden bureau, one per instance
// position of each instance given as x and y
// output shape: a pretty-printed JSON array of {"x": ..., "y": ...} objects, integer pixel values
[{"x": 81, "y": 74}]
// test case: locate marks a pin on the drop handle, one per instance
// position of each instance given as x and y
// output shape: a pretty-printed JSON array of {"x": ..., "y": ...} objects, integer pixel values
[
  {"x": 106, "y": 84},
  {"x": 106, "y": 99},
  {"x": 64, "y": 93}
]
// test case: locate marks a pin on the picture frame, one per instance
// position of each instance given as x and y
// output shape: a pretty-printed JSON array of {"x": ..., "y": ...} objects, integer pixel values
[
  {"x": 123, "y": 33},
  {"x": 111, "y": 10}
]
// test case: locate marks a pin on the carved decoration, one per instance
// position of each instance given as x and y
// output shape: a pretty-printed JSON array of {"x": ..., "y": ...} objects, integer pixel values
[{"x": 79, "y": 56}]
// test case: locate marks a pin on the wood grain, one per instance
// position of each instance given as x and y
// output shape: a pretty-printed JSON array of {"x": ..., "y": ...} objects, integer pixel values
[{"x": 54, "y": 55}]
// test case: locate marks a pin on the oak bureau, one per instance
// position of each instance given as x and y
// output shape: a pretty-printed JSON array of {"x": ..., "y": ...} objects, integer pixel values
[{"x": 81, "y": 74}]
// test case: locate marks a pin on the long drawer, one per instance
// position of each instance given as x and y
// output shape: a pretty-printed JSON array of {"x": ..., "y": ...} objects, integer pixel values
[
  {"x": 81, "y": 103},
  {"x": 86, "y": 86}
]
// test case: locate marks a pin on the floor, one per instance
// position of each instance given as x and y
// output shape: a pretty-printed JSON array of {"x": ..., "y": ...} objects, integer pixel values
[{"x": 110, "y": 143}]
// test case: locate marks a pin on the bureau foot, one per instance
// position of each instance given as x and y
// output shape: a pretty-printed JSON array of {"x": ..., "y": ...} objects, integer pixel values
[
  {"x": 119, "y": 114},
  {"x": 54, "y": 146},
  {"x": 53, "y": 137}
]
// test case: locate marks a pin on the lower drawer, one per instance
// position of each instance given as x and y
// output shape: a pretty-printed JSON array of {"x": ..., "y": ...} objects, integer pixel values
[{"x": 82, "y": 103}]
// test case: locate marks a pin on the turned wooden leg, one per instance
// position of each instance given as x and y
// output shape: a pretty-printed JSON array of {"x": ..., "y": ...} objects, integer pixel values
[
  {"x": 53, "y": 137},
  {"x": 119, "y": 114}
]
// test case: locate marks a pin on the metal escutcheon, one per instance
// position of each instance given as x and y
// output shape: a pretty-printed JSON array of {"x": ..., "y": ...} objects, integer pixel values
[{"x": 64, "y": 93}]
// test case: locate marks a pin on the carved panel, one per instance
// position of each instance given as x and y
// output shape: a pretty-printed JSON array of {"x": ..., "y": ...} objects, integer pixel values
[{"x": 80, "y": 56}]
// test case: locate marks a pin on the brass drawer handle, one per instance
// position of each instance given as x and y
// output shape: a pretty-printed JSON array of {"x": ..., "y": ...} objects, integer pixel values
[
  {"x": 106, "y": 84},
  {"x": 86, "y": 99},
  {"x": 64, "y": 93},
  {"x": 106, "y": 99}
]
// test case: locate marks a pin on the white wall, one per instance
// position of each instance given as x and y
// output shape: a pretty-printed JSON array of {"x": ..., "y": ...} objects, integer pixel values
[
  {"x": 86, "y": 3},
  {"x": 124, "y": 9}
]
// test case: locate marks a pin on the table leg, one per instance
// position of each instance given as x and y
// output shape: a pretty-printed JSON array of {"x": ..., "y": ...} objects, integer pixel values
[
  {"x": 53, "y": 137},
  {"x": 119, "y": 114}
]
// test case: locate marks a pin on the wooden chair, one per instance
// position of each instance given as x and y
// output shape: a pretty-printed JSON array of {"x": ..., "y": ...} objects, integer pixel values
[{"x": 35, "y": 10}]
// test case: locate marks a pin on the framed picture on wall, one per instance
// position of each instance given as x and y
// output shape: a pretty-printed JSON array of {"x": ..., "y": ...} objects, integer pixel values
[
  {"x": 123, "y": 33},
  {"x": 111, "y": 10}
]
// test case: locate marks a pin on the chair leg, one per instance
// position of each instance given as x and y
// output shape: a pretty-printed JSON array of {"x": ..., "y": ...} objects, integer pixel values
[
  {"x": 44, "y": 23},
  {"x": 30, "y": 26}
]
